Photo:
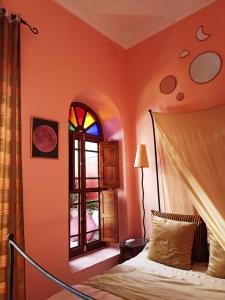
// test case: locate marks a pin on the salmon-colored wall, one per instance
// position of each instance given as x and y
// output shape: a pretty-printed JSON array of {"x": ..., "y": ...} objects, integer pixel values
[
  {"x": 158, "y": 57},
  {"x": 69, "y": 60}
]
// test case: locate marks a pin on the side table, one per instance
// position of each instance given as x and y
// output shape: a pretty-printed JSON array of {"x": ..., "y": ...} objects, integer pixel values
[{"x": 131, "y": 249}]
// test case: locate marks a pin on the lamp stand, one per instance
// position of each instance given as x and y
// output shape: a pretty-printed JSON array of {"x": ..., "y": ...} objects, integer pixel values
[{"x": 143, "y": 197}]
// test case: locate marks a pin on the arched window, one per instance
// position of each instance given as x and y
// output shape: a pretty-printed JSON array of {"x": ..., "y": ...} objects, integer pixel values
[{"x": 85, "y": 134}]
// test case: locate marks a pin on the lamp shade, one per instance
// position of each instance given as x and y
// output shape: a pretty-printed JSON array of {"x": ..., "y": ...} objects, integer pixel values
[{"x": 141, "y": 159}]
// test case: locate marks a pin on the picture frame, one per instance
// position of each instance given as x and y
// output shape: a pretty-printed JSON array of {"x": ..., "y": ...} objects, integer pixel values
[{"x": 44, "y": 138}]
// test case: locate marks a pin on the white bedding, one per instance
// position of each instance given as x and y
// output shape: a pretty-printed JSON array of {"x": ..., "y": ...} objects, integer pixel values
[{"x": 196, "y": 276}]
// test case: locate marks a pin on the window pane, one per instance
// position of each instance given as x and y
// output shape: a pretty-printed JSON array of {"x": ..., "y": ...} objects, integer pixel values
[
  {"x": 88, "y": 120},
  {"x": 76, "y": 144},
  {"x": 80, "y": 115},
  {"x": 76, "y": 183},
  {"x": 72, "y": 117},
  {"x": 74, "y": 242},
  {"x": 74, "y": 198},
  {"x": 91, "y": 164},
  {"x": 91, "y": 183},
  {"x": 92, "y": 216},
  {"x": 94, "y": 130},
  {"x": 76, "y": 164},
  {"x": 92, "y": 236},
  {"x": 92, "y": 196},
  {"x": 74, "y": 225},
  {"x": 71, "y": 128},
  {"x": 91, "y": 146}
]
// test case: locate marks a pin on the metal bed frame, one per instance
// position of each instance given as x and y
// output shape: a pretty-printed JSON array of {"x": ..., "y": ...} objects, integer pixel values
[{"x": 12, "y": 247}]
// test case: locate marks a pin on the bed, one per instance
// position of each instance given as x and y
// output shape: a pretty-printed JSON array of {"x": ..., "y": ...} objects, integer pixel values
[{"x": 140, "y": 278}]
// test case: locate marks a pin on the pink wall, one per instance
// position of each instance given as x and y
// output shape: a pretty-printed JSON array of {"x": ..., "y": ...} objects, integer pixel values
[
  {"x": 69, "y": 60},
  {"x": 158, "y": 57}
]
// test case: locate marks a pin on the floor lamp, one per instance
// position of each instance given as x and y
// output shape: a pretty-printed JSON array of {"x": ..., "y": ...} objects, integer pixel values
[{"x": 141, "y": 161}]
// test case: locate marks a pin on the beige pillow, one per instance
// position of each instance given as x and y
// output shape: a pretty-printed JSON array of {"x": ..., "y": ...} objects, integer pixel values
[
  {"x": 216, "y": 265},
  {"x": 200, "y": 250},
  {"x": 171, "y": 242}
]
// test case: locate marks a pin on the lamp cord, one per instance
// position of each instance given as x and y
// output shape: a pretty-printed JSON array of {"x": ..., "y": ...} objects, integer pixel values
[{"x": 143, "y": 195}]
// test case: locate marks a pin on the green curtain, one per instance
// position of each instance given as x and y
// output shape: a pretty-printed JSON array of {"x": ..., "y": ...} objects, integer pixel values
[{"x": 11, "y": 197}]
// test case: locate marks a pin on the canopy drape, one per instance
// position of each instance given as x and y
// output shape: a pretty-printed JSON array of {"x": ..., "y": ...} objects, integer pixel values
[
  {"x": 175, "y": 195},
  {"x": 11, "y": 205},
  {"x": 194, "y": 144}
]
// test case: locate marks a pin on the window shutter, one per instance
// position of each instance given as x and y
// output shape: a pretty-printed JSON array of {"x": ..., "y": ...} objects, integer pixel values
[
  {"x": 109, "y": 216},
  {"x": 109, "y": 165}
]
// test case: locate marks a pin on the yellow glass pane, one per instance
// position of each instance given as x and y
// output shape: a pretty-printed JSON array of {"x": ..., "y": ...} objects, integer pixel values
[
  {"x": 73, "y": 117},
  {"x": 88, "y": 120}
]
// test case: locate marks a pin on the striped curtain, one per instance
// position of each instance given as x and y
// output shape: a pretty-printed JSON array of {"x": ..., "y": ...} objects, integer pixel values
[{"x": 11, "y": 205}]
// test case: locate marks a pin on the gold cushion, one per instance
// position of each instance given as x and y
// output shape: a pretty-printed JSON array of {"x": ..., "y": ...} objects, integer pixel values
[
  {"x": 216, "y": 265},
  {"x": 171, "y": 242},
  {"x": 200, "y": 250}
]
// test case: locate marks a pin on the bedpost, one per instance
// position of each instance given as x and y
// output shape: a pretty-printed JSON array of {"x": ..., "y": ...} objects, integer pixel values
[
  {"x": 11, "y": 268},
  {"x": 156, "y": 160}
]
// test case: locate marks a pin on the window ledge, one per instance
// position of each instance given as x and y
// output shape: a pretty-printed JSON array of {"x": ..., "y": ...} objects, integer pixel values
[{"x": 94, "y": 258}]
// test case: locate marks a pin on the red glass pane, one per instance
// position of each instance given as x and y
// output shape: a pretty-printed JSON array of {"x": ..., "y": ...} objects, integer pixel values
[
  {"x": 91, "y": 183},
  {"x": 80, "y": 115},
  {"x": 92, "y": 196}
]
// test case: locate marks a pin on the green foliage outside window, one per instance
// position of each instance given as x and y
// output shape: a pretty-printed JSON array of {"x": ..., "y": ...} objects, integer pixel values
[{"x": 91, "y": 206}]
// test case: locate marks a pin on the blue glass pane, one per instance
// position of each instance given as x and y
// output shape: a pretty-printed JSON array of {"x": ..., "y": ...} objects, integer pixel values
[
  {"x": 71, "y": 127},
  {"x": 94, "y": 130}
]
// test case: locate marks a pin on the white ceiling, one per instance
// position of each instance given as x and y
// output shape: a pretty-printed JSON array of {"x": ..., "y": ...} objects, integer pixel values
[{"x": 128, "y": 22}]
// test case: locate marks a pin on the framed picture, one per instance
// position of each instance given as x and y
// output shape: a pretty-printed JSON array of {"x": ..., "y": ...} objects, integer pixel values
[{"x": 44, "y": 138}]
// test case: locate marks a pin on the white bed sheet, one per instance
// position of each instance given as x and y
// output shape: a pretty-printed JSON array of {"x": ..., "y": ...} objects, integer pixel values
[{"x": 196, "y": 276}]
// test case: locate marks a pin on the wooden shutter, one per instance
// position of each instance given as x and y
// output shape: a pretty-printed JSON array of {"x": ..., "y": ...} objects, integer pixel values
[
  {"x": 109, "y": 165},
  {"x": 109, "y": 216}
]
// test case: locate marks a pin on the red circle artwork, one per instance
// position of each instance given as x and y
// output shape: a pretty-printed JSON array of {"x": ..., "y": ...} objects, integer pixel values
[
  {"x": 168, "y": 84},
  {"x": 44, "y": 138},
  {"x": 180, "y": 96}
]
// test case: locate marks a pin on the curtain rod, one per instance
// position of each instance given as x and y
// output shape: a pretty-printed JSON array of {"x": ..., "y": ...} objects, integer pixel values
[{"x": 34, "y": 30}]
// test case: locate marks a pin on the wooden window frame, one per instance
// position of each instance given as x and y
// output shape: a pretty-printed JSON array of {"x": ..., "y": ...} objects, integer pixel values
[{"x": 82, "y": 190}]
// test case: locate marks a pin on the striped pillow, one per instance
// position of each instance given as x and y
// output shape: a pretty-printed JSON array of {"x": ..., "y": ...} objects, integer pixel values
[{"x": 200, "y": 251}]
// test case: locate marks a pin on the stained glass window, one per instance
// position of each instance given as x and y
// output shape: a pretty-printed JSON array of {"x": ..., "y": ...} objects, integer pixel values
[
  {"x": 85, "y": 134},
  {"x": 84, "y": 120}
]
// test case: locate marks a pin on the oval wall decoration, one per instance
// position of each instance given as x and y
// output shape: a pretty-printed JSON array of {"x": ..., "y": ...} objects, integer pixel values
[
  {"x": 205, "y": 67},
  {"x": 168, "y": 84},
  {"x": 180, "y": 96},
  {"x": 184, "y": 53}
]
